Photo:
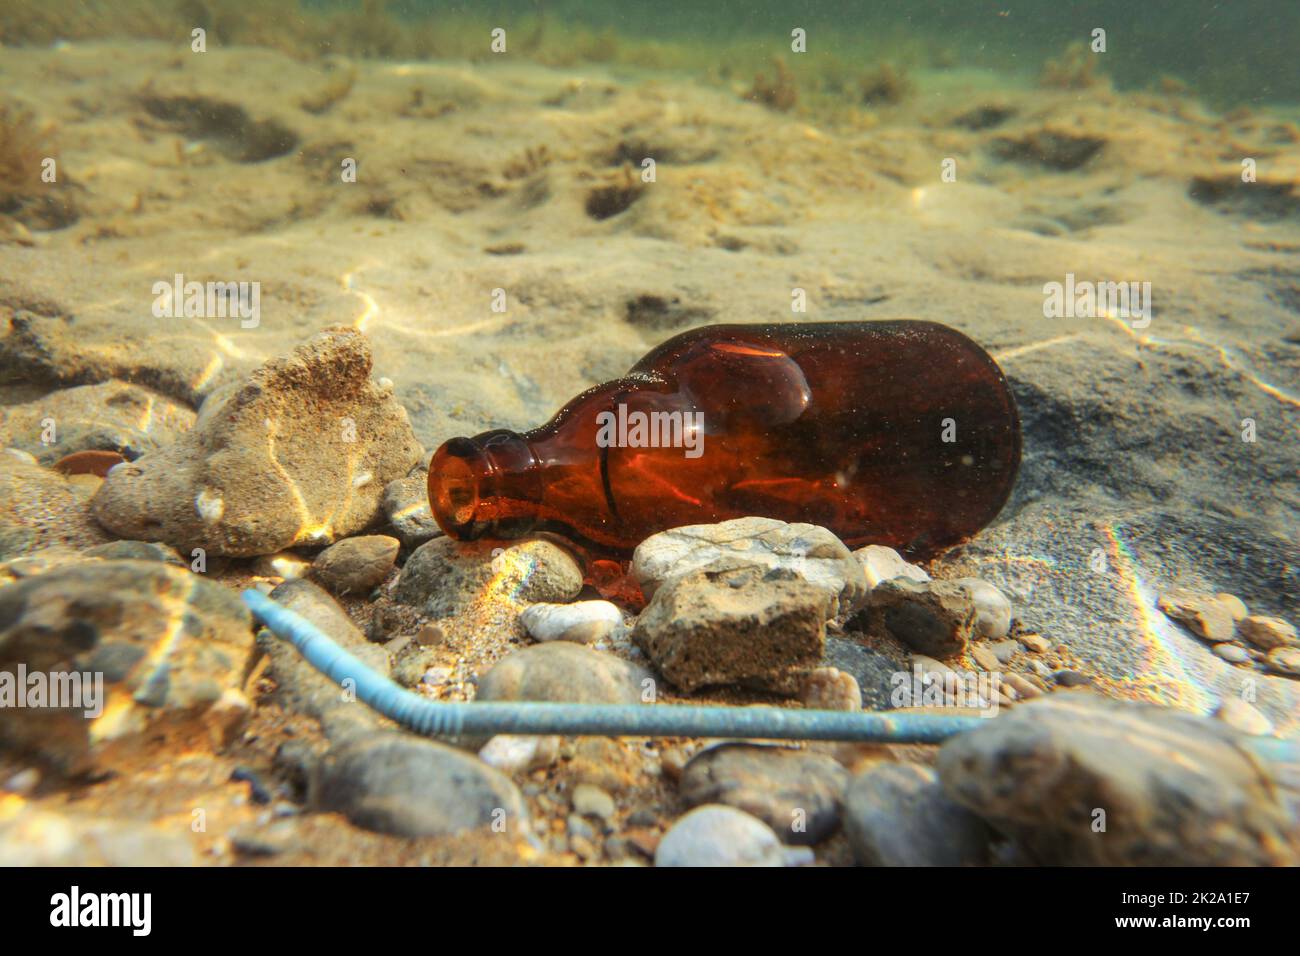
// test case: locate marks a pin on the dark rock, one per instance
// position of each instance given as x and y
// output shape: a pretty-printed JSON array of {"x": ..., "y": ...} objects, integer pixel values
[
  {"x": 898, "y": 815},
  {"x": 1170, "y": 788},
  {"x": 356, "y": 564},
  {"x": 797, "y": 793},
  {"x": 936, "y": 618}
]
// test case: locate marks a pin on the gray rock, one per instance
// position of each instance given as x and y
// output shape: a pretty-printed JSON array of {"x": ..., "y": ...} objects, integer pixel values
[
  {"x": 1175, "y": 789},
  {"x": 591, "y": 801},
  {"x": 445, "y": 577},
  {"x": 563, "y": 671},
  {"x": 136, "y": 551},
  {"x": 404, "y": 785},
  {"x": 406, "y": 506},
  {"x": 356, "y": 564},
  {"x": 743, "y": 626},
  {"x": 110, "y": 416},
  {"x": 896, "y": 814},
  {"x": 798, "y": 793},
  {"x": 804, "y": 551},
  {"x": 935, "y": 618},
  {"x": 300, "y": 454},
  {"x": 719, "y": 836},
  {"x": 992, "y": 609},
  {"x": 1242, "y": 717},
  {"x": 880, "y": 563},
  {"x": 584, "y": 622},
  {"x": 173, "y": 649}
]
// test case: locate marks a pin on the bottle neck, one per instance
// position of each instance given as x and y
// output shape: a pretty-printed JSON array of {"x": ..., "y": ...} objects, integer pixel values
[{"x": 486, "y": 486}]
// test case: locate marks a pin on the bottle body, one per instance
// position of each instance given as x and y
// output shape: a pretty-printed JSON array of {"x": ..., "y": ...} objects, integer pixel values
[{"x": 899, "y": 433}]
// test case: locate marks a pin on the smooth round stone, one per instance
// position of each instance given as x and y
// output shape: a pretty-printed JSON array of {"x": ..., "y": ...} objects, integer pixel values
[
  {"x": 591, "y": 801},
  {"x": 583, "y": 622},
  {"x": 880, "y": 563},
  {"x": 1267, "y": 633},
  {"x": 356, "y": 564},
  {"x": 992, "y": 609},
  {"x": 564, "y": 671},
  {"x": 1232, "y": 653},
  {"x": 1239, "y": 715},
  {"x": 898, "y": 815},
  {"x": 1285, "y": 660},
  {"x": 510, "y": 753},
  {"x": 716, "y": 835}
]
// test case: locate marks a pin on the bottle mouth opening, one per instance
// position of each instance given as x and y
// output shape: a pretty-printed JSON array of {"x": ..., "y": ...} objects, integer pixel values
[
  {"x": 478, "y": 485},
  {"x": 455, "y": 474}
]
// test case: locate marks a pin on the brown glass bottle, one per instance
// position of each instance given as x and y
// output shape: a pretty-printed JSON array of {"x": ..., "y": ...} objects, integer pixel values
[{"x": 897, "y": 433}]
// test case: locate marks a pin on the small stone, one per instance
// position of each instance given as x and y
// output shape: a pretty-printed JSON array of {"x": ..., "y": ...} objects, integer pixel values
[
  {"x": 1004, "y": 651},
  {"x": 896, "y": 814},
  {"x": 1035, "y": 643},
  {"x": 992, "y": 609},
  {"x": 1232, "y": 653},
  {"x": 514, "y": 754},
  {"x": 1024, "y": 688},
  {"x": 798, "y": 793},
  {"x": 430, "y": 635},
  {"x": 24, "y": 782},
  {"x": 135, "y": 551},
  {"x": 583, "y": 622},
  {"x": 884, "y": 564},
  {"x": 1267, "y": 633},
  {"x": 1285, "y": 660},
  {"x": 356, "y": 564},
  {"x": 564, "y": 671},
  {"x": 734, "y": 626},
  {"x": 1206, "y": 616},
  {"x": 446, "y": 577},
  {"x": 405, "y": 785},
  {"x": 715, "y": 835},
  {"x": 985, "y": 658},
  {"x": 829, "y": 688},
  {"x": 805, "y": 552},
  {"x": 1068, "y": 678},
  {"x": 406, "y": 506},
  {"x": 935, "y": 618},
  {"x": 284, "y": 565},
  {"x": 1239, "y": 715},
  {"x": 1233, "y": 605},
  {"x": 589, "y": 801}
]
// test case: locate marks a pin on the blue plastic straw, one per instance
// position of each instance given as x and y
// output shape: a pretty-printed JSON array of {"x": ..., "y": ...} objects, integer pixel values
[{"x": 449, "y": 719}]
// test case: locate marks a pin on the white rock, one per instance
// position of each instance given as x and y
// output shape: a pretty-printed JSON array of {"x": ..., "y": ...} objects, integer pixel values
[
  {"x": 882, "y": 564},
  {"x": 809, "y": 551},
  {"x": 282, "y": 564},
  {"x": 1241, "y": 716},
  {"x": 510, "y": 753},
  {"x": 715, "y": 835},
  {"x": 992, "y": 609},
  {"x": 583, "y": 622}
]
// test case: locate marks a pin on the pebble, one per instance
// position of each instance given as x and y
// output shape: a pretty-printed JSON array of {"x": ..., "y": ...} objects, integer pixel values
[
  {"x": 591, "y": 801},
  {"x": 296, "y": 454},
  {"x": 1233, "y": 605},
  {"x": 934, "y": 618},
  {"x": 1177, "y": 789},
  {"x": 735, "y": 626},
  {"x": 1239, "y": 715},
  {"x": 1035, "y": 643},
  {"x": 24, "y": 782},
  {"x": 1024, "y": 688},
  {"x": 1232, "y": 653},
  {"x": 1206, "y": 616},
  {"x": 356, "y": 564},
  {"x": 1285, "y": 660},
  {"x": 884, "y": 564},
  {"x": 715, "y": 835},
  {"x": 284, "y": 565},
  {"x": 829, "y": 688},
  {"x": 1267, "y": 633},
  {"x": 584, "y": 622},
  {"x": 406, "y": 506},
  {"x": 135, "y": 551},
  {"x": 985, "y": 658},
  {"x": 564, "y": 671},
  {"x": 446, "y": 577},
  {"x": 515, "y": 754},
  {"x": 798, "y": 793},
  {"x": 397, "y": 783},
  {"x": 806, "y": 552},
  {"x": 1068, "y": 678},
  {"x": 896, "y": 814},
  {"x": 992, "y": 609}
]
